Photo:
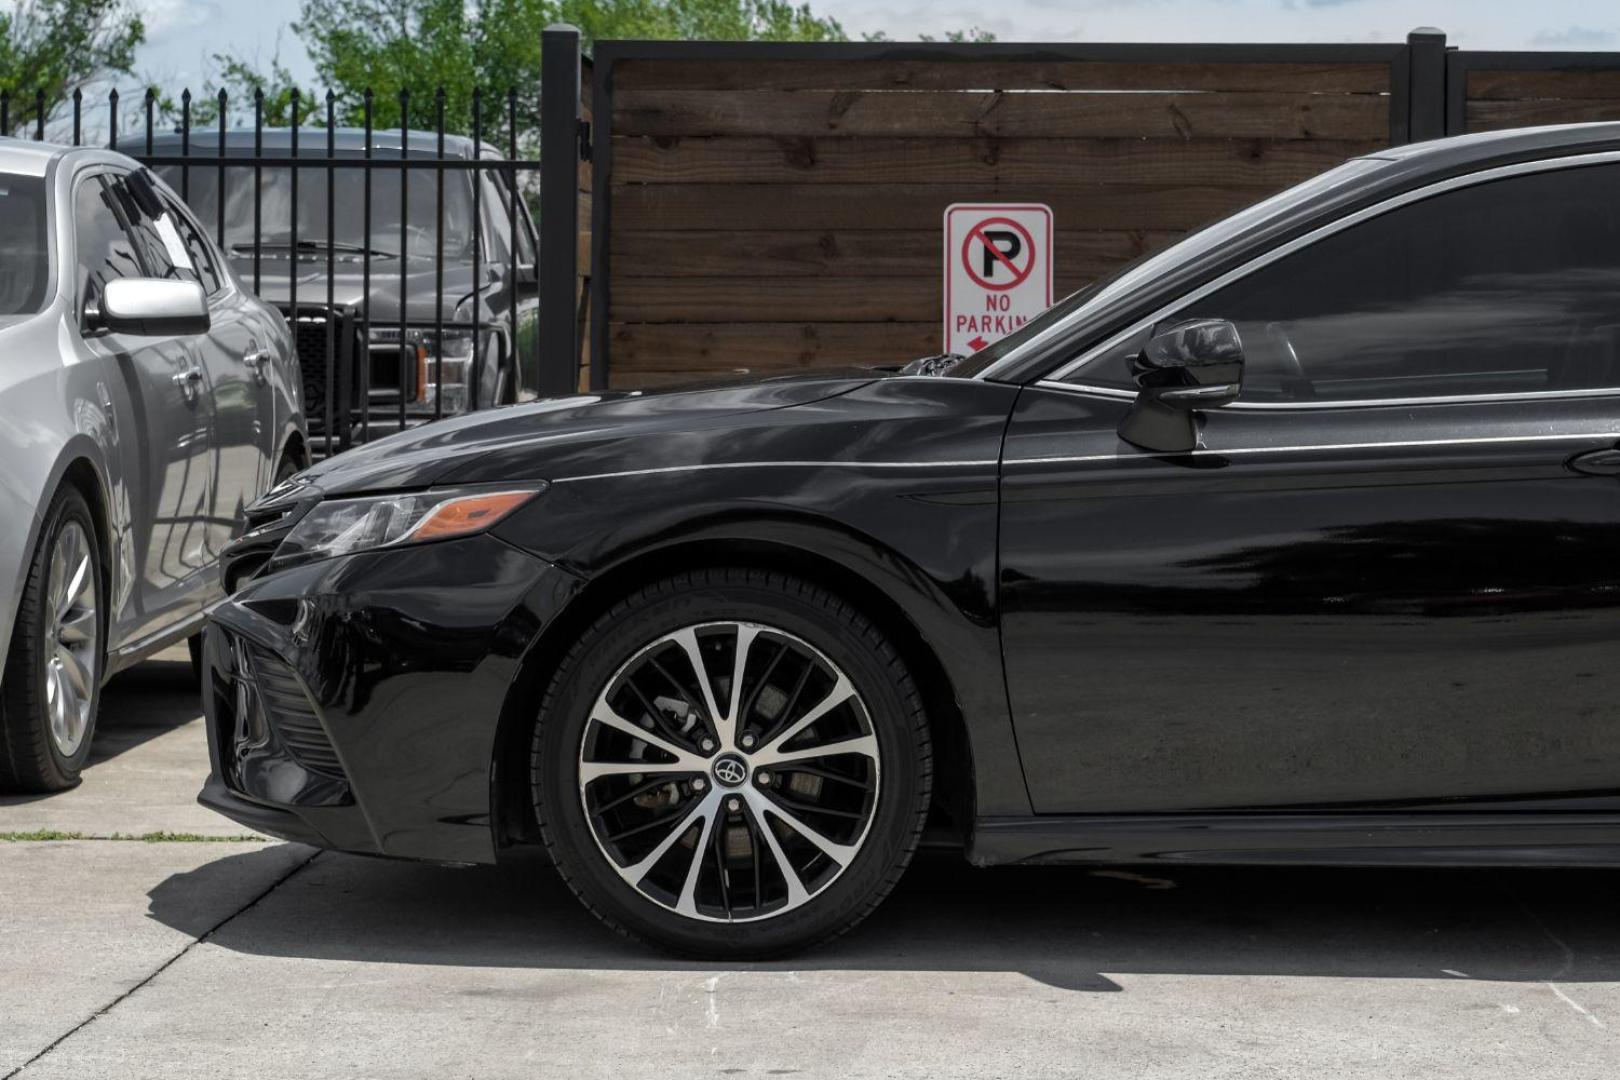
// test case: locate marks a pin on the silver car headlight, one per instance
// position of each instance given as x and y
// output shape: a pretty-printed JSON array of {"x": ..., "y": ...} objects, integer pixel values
[{"x": 344, "y": 526}]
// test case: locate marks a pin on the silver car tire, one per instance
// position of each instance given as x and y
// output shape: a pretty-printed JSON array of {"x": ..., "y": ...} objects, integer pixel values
[{"x": 53, "y": 671}]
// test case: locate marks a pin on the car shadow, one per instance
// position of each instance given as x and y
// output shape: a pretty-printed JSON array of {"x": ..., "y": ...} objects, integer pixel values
[
  {"x": 1068, "y": 928},
  {"x": 139, "y": 704}
]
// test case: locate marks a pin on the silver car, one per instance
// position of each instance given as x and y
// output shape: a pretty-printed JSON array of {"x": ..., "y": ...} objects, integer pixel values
[{"x": 145, "y": 398}]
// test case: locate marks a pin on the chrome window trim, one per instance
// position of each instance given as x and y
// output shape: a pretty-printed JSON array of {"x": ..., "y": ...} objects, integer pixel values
[
  {"x": 1265, "y": 258},
  {"x": 1354, "y": 403},
  {"x": 1301, "y": 448}
]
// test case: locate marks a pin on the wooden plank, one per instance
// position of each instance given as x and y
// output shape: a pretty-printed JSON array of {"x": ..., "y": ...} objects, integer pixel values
[
  {"x": 821, "y": 299},
  {"x": 825, "y": 299},
  {"x": 1268, "y": 163},
  {"x": 1036, "y": 114},
  {"x": 685, "y": 207},
  {"x": 1496, "y": 115},
  {"x": 752, "y": 346},
  {"x": 662, "y": 380},
  {"x": 995, "y": 75},
  {"x": 874, "y": 253},
  {"x": 1525, "y": 85}
]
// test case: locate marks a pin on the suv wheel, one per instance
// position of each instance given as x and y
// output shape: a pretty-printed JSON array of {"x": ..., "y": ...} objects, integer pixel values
[
  {"x": 732, "y": 764},
  {"x": 53, "y": 671}
]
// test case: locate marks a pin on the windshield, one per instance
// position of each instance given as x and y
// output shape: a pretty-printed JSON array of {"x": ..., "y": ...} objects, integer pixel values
[
  {"x": 1134, "y": 274},
  {"x": 24, "y": 257},
  {"x": 348, "y": 216}
]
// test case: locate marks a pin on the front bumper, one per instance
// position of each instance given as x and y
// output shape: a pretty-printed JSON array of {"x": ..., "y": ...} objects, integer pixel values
[{"x": 357, "y": 703}]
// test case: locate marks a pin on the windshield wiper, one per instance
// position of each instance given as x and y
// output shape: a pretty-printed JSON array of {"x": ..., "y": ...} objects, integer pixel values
[{"x": 311, "y": 245}]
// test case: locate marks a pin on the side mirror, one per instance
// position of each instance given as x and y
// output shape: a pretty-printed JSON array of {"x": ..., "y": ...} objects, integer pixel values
[
  {"x": 149, "y": 307},
  {"x": 1186, "y": 366}
]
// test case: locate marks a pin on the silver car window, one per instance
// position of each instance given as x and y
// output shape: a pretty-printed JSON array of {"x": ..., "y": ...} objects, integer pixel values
[
  {"x": 104, "y": 250},
  {"x": 190, "y": 235},
  {"x": 24, "y": 255},
  {"x": 161, "y": 250}
]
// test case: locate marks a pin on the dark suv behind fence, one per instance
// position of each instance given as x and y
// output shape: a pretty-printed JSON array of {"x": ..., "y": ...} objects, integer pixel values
[{"x": 338, "y": 241}]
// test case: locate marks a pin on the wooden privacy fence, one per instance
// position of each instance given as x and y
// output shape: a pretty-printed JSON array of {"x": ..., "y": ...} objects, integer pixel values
[{"x": 768, "y": 208}]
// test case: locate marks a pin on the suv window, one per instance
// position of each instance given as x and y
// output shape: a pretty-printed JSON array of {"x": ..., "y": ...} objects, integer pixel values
[
  {"x": 1510, "y": 286},
  {"x": 104, "y": 250},
  {"x": 524, "y": 242}
]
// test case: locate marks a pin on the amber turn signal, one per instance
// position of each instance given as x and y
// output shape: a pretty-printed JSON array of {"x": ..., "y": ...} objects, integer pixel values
[{"x": 468, "y": 514}]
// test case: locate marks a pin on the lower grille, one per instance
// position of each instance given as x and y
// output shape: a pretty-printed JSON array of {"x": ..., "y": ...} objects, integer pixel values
[{"x": 289, "y": 711}]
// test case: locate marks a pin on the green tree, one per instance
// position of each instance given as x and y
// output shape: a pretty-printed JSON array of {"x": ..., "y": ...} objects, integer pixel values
[
  {"x": 419, "y": 45},
  {"x": 389, "y": 46},
  {"x": 59, "y": 46}
]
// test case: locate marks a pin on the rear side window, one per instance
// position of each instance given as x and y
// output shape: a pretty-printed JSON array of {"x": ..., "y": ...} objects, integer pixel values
[
  {"x": 1510, "y": 286},
  {"x": 104, "y": 250},
  {"x": 24, "y": 257}
]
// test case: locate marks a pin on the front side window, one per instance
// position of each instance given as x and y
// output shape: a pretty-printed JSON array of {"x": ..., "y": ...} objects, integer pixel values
[
  {"x": 162, "y": 251},
  {"x": 105, "y": 251},
  {"x": 1504, "y": 287},
  {"x": 196, "y": 246},
  {"x": 24, "y": 256}
]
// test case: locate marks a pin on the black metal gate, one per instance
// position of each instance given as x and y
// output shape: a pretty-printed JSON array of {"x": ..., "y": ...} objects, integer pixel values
[{"x": 405, "y": 260}]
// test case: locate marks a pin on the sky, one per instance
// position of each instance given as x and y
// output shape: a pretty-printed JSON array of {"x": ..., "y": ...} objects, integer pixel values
[{"x": 182, "y": 35}]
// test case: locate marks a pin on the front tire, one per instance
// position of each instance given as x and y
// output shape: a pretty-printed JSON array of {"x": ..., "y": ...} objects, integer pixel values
[
  {"x": 731, "y": 764},
  {"x": 53, "y": 671}
]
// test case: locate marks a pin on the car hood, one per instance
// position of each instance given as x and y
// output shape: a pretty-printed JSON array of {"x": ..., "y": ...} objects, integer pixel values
[
  {"x": 430, "y": 293},
  {"x": 522, "y": 442}
]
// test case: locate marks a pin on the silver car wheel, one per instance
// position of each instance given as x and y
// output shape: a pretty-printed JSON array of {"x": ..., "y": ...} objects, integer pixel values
[
  {"x": 72, "y": 633},
  {"x": 729, "y": 772}
]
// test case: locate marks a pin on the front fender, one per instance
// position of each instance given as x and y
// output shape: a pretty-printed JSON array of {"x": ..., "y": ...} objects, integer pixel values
[
  {"x": 923, "y": 538},
  {"x": 26, "y": 494}
]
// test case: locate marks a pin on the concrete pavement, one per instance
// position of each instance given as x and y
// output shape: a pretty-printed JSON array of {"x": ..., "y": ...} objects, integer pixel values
[
  {"x": 149, "y": 747},
  {"x": 126, "y": 959}
]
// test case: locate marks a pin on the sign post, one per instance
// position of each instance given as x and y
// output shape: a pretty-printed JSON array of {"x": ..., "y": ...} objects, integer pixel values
[{"x": 998, "y": 271}]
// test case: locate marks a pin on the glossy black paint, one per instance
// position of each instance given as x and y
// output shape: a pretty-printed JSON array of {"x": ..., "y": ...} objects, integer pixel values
[
  {"x": 417, "y": 656},
  {"x": 408, "y": 656},
  {"x": 1360, "y": 634},
  {"x": 1327, "y": 619}
]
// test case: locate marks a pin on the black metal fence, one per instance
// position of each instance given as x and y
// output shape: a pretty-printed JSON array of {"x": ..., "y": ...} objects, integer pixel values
[{"x": 405, "y": 259}]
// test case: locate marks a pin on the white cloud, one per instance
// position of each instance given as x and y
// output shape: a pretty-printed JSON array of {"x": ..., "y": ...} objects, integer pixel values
[
  {"x": 1576, "y": 37},
  {"x": 164, "y": 18}
]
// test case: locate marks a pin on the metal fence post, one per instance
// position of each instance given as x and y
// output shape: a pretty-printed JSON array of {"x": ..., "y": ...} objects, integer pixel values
[
  {"x": 1428, "y": 94},
  {"x": 559, "y": 208}
]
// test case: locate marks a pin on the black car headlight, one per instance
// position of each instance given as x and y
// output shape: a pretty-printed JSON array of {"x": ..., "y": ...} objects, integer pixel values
[{"x": 344, "y": 526}]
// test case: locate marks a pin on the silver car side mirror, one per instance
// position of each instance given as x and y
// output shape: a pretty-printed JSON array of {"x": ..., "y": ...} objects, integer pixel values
[{"x": 149, "y": 307}]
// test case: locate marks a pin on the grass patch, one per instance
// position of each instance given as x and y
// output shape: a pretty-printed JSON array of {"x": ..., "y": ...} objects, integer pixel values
[
  {"x": 145, "y": 838},
  {"x": 187, "y": 838}
]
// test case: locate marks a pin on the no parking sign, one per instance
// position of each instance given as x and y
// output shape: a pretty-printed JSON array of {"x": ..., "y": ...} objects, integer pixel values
[{"x": 998, "y": 270}]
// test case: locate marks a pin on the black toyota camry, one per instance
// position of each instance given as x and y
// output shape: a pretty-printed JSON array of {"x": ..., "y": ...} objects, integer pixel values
[{"x": 1295, "y": 542}]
